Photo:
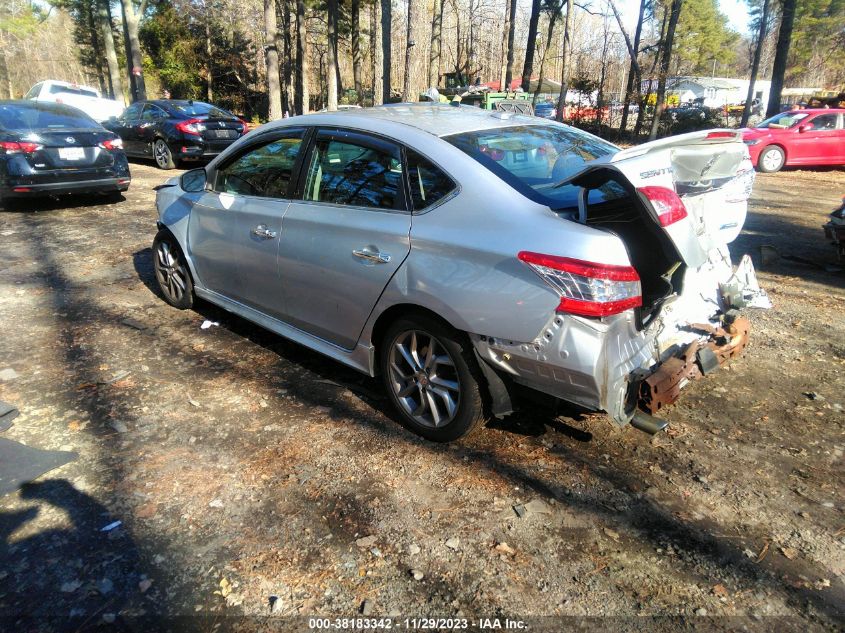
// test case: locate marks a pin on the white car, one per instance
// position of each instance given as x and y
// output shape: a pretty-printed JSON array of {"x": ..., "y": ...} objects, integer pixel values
[{"x": 85, "y": 98}]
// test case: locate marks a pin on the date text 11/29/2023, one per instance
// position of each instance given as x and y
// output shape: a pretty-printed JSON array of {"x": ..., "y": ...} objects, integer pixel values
[{"x": 416, "y": 624}]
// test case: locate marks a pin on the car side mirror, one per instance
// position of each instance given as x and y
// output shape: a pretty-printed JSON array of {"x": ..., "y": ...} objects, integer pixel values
[
  {"x": 806, "y": 127},
  {"x": 194, "y": 181}
]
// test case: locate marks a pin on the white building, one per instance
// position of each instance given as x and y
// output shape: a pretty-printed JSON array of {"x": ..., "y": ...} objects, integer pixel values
[{"x": 713, "y": 92}]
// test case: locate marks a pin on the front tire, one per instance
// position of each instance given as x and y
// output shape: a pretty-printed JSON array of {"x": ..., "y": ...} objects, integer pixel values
[
  {"x": 771, "y": 159},
  {"x": 432, "y": 378},
  {"x": 162, "y": 154},
  {"x": 171, "y": 271}
]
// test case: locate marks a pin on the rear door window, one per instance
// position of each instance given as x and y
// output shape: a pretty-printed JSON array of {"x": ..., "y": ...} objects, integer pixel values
[
  {"x": 356, "y": 170},
  {"x": 264, "y": 171},
  {"x": 428, "y": 183},
  {"x": 152, "y": 113}
]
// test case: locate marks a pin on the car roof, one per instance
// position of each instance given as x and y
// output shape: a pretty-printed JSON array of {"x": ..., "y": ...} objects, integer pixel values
[
  {"x": 817, "y": 111},
  {"x": 436, "y": 119}
]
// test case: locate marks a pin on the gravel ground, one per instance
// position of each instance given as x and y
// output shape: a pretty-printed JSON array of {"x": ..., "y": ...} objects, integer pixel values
[{"x": 254, "y": 478}]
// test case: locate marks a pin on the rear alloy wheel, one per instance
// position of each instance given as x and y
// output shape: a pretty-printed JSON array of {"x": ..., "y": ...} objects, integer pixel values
[
  {"x": 771, "y": 159},
  {"x": 432, "y": 378},
  {"x": 172, "y": 274},
  {"x": 162, "y": 154}
]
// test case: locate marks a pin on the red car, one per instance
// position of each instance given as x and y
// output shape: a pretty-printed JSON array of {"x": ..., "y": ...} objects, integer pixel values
[{"x": 798, "y": 137}]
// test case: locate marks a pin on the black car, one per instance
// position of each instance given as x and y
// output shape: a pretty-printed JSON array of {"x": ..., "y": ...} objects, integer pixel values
[
  {"x": 172, "y": 130},
  {"x": 53, "y": 149}
]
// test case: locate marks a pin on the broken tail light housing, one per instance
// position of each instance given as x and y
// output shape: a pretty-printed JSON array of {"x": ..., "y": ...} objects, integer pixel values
[
  {"x": 192, "y": 126},
  {"x": 112, "y": 143},
  {"x": 12, "y": 147},
  {"x": 587, "y": 288},
  {"x": 668, "y": 205}
]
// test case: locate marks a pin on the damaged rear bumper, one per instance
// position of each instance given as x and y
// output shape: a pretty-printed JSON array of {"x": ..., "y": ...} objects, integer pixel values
[{"x": 663, "y": 386}]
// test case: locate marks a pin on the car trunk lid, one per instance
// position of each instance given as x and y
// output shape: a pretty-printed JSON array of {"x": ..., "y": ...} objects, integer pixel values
[
  {"x": 711, "y": 174},
  {"x": 70, "y": 150}
]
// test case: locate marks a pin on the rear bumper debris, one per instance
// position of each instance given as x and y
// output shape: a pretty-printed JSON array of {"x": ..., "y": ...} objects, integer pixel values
[{"x": 663, "y": 386}]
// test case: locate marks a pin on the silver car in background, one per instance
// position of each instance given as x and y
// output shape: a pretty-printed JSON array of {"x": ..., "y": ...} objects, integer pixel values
[{"x": 465, "y": 255}]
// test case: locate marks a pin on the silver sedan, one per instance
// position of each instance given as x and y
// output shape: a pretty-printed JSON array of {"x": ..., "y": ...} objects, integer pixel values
[{"x": 465, "y": 256}]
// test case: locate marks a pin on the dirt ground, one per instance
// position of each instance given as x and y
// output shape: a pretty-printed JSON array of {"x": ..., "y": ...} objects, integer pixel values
[{"x": 254, "y": 478}]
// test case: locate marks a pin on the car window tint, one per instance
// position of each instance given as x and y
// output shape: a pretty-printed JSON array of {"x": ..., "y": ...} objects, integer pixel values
[
  {"x": 33, "y": 92},
  {"x": 351, "y": 174},
  {"x": 151, "y": 113},
  {"x": 264, "y": 171},
  {"x": 72, "y": 90},
  {"x": 825, "y": 122},
  {"x": 41, "y": 116},
  {"x": 428, "y": 183},
  {"x": 198, "y": 108},
  {"x": 133, "y": 111}
]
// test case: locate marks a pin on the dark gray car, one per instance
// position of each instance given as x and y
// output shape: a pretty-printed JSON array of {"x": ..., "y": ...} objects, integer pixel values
[{"x": 461, "y": 254}]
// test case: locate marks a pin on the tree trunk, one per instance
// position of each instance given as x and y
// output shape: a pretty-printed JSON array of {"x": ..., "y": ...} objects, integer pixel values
[
  {"x": 409, "y": 47},
  {"x": 564, "y": 63},
  {"x": 331, "y": 61},
  {"x": 133, "y": 49},
  {"x": 531, "y": 44},
  {"x": 436, "y": 44},
  {"x": 376, "y": 53},
  {"x": 302, "y": 95},
  {"x": 552, "y": 21},
  {"x": 386, "y": 19},
  {"x": 104, "y": 16},
  {"x": 781, "y": 54},
  {"x": 644, "y": 99},
  {"x": 635, "y": 74},
  {"x": 209, "y": 72},
  {"x": 665, "y": 60},
  {"x": 755, "y": 63},
  {"x": 511, "y": 33},
  {"x": 91, "y": 17},
  {"x": 271, "y": 59},
  {"x": 356, "y": 49},
  {"x": 288, "y": 58}
]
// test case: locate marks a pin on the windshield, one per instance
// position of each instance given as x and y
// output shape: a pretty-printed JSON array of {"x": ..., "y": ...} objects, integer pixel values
[
  {"x": 43, "y": 116},
  {"x": 198, "y": 108},
  {"x": 533, "y": 159},
  {"x": 782, "y": 120}
]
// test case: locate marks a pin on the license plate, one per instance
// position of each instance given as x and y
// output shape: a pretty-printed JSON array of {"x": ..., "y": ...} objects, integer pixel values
[
  {"x": 223, "y": 133},
  {"x": 71, "y": 153}
]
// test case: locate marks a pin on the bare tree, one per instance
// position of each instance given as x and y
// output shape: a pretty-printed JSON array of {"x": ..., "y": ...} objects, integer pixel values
[
  {"x": 564, "y": 63},
  {"x": 635, "y": 74},
  {"x": 302, "y": 78},
  {"x": 131, "y": 18},
  {"x": 781, "y": 55},
  {"x": 531, "y": 45},
  {"x": 386, "y": 24},
  {"x": 665, "y": 61},
  {"x": 356, "y": 50},
  {"x": 377, "y": 52},
  {"x": 511, "y": 31},
  {"x": 331, "y": 62},
  {"x": 104, "y": 18},
  {"x": 755, "y": 62},
  {"x": 409, "y": 47},
  {"x": 436, "y": 51},
  {"x": 271, "y": 60}
]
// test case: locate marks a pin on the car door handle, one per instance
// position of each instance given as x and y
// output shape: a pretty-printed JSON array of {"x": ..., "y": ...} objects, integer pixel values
[
  {"x": 263, "y": 232},
  {"x": 370, "y": 256}
]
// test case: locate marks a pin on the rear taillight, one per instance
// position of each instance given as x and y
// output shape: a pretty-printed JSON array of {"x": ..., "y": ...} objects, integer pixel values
[
  {"x": 112, "y": 143},
  {"x": 587, "y": 288},
  {"x": 191, "y": 126},
  {"x": 669, "y": 207},
  {"x": 19, "y": 148},
  {"x": 244, "y": 125}
]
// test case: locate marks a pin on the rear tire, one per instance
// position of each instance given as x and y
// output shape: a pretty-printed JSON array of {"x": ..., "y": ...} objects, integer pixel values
[
  {"x": 771, "y": 159},
  {"x": 432, "y": 378},
  {"x": 162, "y": 154},
  {"x": 172, "y": 272}
]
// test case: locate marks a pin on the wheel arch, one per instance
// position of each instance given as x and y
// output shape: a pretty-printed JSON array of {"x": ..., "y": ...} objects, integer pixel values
[
  {"x": 781, "y": 147},
  {"x": 398, "y": 311}
]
